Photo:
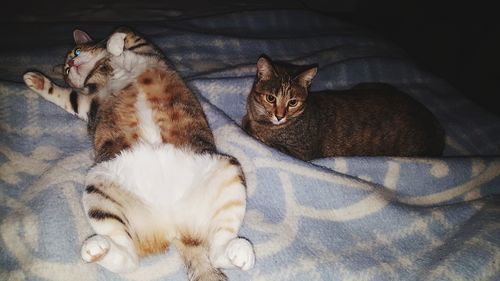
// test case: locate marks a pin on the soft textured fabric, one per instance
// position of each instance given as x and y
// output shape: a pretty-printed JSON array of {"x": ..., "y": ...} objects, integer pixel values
[{"x": 350, "y": 218}]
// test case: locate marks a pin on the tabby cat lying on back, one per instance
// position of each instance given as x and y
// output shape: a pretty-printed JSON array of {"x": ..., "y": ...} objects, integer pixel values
[
  {"x": 157, "y": 177},
  {"x": 370, "y": 119}
]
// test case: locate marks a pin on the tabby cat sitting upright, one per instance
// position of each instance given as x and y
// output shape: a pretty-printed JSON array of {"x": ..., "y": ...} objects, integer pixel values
[
  {"x": 370, "y": 119},
  {"x": 157, "y": 177}
]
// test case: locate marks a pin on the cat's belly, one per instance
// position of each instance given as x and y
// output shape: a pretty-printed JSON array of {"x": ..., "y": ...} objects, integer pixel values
[{"x": 162, "y": 176}]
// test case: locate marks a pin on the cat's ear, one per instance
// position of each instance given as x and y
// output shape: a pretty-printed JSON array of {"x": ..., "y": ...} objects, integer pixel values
[
  {"x": 305, "y": 77},
  {"x": 264, "y": 68},
  {"x": 81, "y": 37}
]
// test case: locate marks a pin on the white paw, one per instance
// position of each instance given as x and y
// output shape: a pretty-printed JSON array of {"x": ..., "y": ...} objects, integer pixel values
[
  {"x": 95, "y": 248},
  {"x": 35, "y": 81},
  {"x": 240, "y": 253},
  {"x": 116, "y": 43}
]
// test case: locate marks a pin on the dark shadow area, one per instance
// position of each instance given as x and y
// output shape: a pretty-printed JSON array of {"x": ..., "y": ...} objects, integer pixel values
[{"x": 451, "y": 40}]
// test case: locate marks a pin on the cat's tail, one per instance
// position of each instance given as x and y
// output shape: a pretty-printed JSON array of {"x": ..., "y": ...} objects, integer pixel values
[{"x": 195, "y": 256}]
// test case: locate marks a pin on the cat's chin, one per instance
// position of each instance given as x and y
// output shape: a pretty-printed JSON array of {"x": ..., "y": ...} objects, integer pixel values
[
  {"x": 75, "y": 84},
  {"x": 75, "y": 78}
]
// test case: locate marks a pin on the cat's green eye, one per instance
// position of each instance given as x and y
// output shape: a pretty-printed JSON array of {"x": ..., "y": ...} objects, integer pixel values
[
  {"x": 270, "y": 98},
  {"x": 77, "y": 52},
  {"x": 293, "y": 103}
]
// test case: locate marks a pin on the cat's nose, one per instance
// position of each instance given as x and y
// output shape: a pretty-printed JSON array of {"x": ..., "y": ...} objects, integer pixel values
[
  {"x": 279, "y": 117},
  {"x": 71, "y": 63}
]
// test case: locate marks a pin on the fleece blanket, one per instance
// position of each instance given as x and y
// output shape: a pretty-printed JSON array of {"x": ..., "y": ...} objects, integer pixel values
[{"x": 339, "y": 218}]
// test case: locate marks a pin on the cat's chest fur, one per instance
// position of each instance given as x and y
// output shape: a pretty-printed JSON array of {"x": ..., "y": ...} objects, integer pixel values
[{"x": 292, "y": 137}]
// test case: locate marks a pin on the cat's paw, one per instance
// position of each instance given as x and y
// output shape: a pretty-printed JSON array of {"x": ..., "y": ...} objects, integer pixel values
[
  {"x": 240, "y": 253},
  {"x": 95, "y": 248},
  {"x": 36, "y": 81},
  {"x": 116, "y": 43}
]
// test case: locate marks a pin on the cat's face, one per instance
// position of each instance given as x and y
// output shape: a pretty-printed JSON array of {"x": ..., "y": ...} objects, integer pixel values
[
  {"x": 279, "y": 92},
  {"x": 82, "y": 59}
]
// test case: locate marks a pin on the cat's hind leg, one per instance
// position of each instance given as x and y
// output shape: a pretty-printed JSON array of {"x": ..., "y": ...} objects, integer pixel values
[
  {"x": 112, "y": 247},
  {"x": 70, "y": 100},
  {"x": 227, "y": 250}
]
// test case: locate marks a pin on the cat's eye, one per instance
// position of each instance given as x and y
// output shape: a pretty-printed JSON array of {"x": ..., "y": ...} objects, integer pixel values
[
  {"x": 67, "y": 71},
  {"x": 77, "y": 52},
  {"x": 270, "y": 98},
  {"x": 293, "y": 103}
]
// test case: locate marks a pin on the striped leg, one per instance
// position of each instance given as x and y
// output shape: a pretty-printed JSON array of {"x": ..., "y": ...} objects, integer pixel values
[
  {"x": 227, "y": 250},
  {"x": 112, "y": 247},
  {"x": 70, "y": 100}
]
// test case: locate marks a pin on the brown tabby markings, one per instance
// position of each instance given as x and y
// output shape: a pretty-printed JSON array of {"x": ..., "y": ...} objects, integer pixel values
[
  {"x": 146, "y": 241},
  {"x": 102, "y": 215},
  {"x": 93, "y": 189},
  {"x": 98, "y": 75},
  {"x": 176, "y": 111},
  {"x": 117, "y": 129},
  {"x": 116, "y": 125},
  {"x": 370, "y": 119},
  {"x": 190, "y": 241},
  {"x": 113, "y": 125},
  {"x": 228, "y": 205},
  {"x": 153, "y": 243}
]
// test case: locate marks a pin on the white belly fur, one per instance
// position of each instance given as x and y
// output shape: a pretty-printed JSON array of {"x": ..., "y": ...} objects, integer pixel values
[{"x": 160, "y": 175}]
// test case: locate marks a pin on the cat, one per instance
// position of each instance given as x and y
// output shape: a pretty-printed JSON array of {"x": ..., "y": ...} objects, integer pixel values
[
  {"x": 157, "y": 177},
  {"x": 370, "y": 119}
]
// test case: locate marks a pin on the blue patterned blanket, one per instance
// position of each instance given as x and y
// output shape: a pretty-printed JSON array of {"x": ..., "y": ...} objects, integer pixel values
[{"x": 349, "y": 218}]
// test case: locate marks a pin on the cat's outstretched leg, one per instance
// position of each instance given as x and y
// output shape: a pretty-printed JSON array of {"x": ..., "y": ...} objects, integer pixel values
[
  {"x": 72, "y": 101},
  {"x": 112, "y": 247},
  {"x": 227, "y": 250}
]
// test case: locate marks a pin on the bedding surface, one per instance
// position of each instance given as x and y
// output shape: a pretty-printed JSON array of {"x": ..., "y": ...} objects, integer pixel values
[{"x": 342, "y": 218}]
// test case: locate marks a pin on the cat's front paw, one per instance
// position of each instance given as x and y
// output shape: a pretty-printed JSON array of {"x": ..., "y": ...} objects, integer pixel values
[
  {"x": 116, "y": 43},
  {"x": 240, "y": 253},
  {"x": 36, "y": 81},
  {"x": 95, "y": 248}
]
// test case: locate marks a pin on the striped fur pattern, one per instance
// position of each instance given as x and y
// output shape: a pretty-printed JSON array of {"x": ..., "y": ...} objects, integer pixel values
[
  {"x": 370, "y": 119},
  {"x": 157, "y": 179}
]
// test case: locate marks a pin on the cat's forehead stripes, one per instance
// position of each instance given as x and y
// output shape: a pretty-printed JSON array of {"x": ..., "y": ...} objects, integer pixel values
[{"x": 285, "y": 91}]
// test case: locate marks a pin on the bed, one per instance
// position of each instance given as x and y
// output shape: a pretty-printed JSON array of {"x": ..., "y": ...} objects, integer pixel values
[{"x": 340, "y": 218}]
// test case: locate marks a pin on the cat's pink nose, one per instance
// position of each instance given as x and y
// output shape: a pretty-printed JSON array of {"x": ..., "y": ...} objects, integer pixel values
[{"x": 71, "y": 63}]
